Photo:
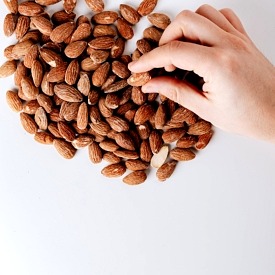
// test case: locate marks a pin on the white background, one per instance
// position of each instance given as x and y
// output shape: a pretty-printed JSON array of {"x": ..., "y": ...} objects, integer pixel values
[{"x": 215, "y": 216}]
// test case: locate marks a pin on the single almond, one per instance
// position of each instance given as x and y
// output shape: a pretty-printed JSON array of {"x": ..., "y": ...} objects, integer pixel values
[
  {"x": 105, "y": 17},
  {"x": 37, "y": 73},
  {"x": 173, "y": 135},
  {"x": 82, "y": 116},
  {"x": 159, "y": 158},
  {"x": 43, "y": 24},
  {"x": 45, "y": 102},
  {"x": 44, "y": 137},
  {"x": 64, "y": 148},
  {"x": 12, "y": 5},
  {"x": 9, "y": 24},
  {"x": 95, "y": 153},
  {"x": 41, "y": 119},
  {"x": 30, "y": 8},
  {"x": 152, "y": 34},
  {"x": 68, "y": 93},
  {"x": 112, "y": 101},
  {"x": 108, "y": 145},
  {"x": 88, "y": 65},
  {"x": 118, "y": 124},
  {"x": 47, "y": 2},
  {"x": 95, "y": 5},
  {"x": 66, "y": 131},
  {"x": 182, "y": 114},
  {"x": 118, "y": 48},
  {"x": 199, "y": 128},
  {"x": 135, "y": 178},
  {"x": 145, "y": 151},
  {"x": 180, "y": 154},
  {"x": 111, "y": 158},
  {"x": 116, "y": 86},
  {"x": 143, "y": 46},
  {"x": 146, "y": 7},
  {"x": 203, "y": 140},
  {"x": 129, "y": 14},
  {"x": 102, "y": 43},
  {"x": 22, "y": 26},
  {"x": 186, "y": 141},
  {"x": 126, "y": 154},
  {"x": 137, "y": 96},
  {"x": 82, "y": 141},
  {"x": 144, "y": 131},
  {"x": 72, "y": 73},
  {"x": 159, "y": 20},
  {"x": 104, "y": 110},
  {"x": 104, "y": 30},
  {"x": 57, "y": 74},
  {"x": 155, "y": 141},
  {"x": 98, "y": 56},
  {"x": 83, "y": 84},
  {"x": 14, "y": 101},
  {"x": 28, "y": 123},
  {"x": 101, "y": 74},
  {"x": 69, "y": 110},
  {"x": 8, "y": 68},
  {"x": 75, "y": 49},
  {"x": 125, "y": 141},
  {"x": 50, "y": 57},
  {"x": 82, "y": 32},
  {"x": 60, "y": 17},
  {"x": 143, "y": 114},
  {"x": 31, "y": 56},
  {"x": 60, "y": 33},
  {"x": 69, "y": 5},
  {"x": 120, "y": 69},
  {"x": 30, "y": 107},
  {"x": 114, "y": 170},
  {"x": 125, "y": 29},
  {"x": 101, "y": 128},
  {"x": 29, "y": 90},
  {"x": 138, "y": 79},
  {"x": 161, "y": 116},
  {"x": 166, "y": 170},
  {"x": 136, "y": 164}
]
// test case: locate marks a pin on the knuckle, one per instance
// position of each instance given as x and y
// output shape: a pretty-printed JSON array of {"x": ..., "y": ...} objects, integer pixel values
[
  {"x": 185, "y": 14},
  {"x": 226, "y": 11},
  {"x": 203, "y": 8}
]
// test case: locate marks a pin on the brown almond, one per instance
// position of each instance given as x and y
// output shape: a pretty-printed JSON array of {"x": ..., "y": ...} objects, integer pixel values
[
  {"x": 145, "y": 151},
  {"x": 180, "y": 154},
  {"x": 64, "y": 148},
  {"x": 30, "y": 107},
  {"x": 94, "y": 114},
  {"x": 43, "y": 24},
  {"x": 31, "y": 56},
  {"x": 136, "y": 55},
  {"x": 62, "y": 16},
  {"x": 29, "y": 90},
  {"x": 53, "y": 129},
  {"x": 47, "y": 2},
  {"x": 155, "y": 141},
  {"x": 60, "y": 33},
  {"x": 186, "y": 141},
  {"x": 9, "y": 24},
  {"x": 143, "y": 131},
  {"x": 159, "y": 20},
  {"x": 8, "y": 53},
  {"x": 69, "y": 110},
  {"x": 108, "y": 145},
  {"x": 120, "y": 69},
  {"x": 173, "y": 135},
  {"x": 88, "y": 65},
  {"x": 118, "y": 48},
  {"x": 82, "y": 32},
  {"x": 143, "y": 46},
  {"x": 118, "y": 124},
  {"x": 105, "y": 17},
  {"x": 95, "y": 5},
  {"x": 152, "y": 34},
  {"x": 101, "y": 128},
  {"x": 83, "y": 84},
  {"x": 72, "y": 73},
  {"x": 138, "y": 79},
  {"x": 30, "y": 8},
  {"x": 203, "y": 140},
  {"x": 161, "y": 116},
  {"x": 14, "y": 101},
  {"x": 136, "y": 164},
  {"x": 199, "y": 128},
  {"x": 33, "y": 35},
  {"x": 182, "y": 114},
  {"x": 114, "y": 170},
  {"x": 50, "y": 57},
  {"x": 12, "y": 5},
  {"x": 125, "y": 29},
  {"x": 69, "y": 5},
  {"x": 75, "y": 49},
  {"x": 104, "y": 30},
  {"x": 28, "y": 123},
  {"x": 104, "y": 110},
  {"x": 138, "y": 97},
  {"x": 135, "y": 178},
  {"x": 41, "y": 119},
  {"x": 66, "y": 131},
  {"x": 45, "y": 102},
  {"x": 82, "y": 141},
  {"x": 129, "y": 14},
  {"x": 82, "y": 116},
  {"x": 127, "y": 154},
  {"x": 166, "y": 170},
  {"x": 8, "y": 68},
  {"x": 98, "y": 56},
  {"x": 43, "y": 138},
  {"x": 101, "y": 74},
  {"x": 93, "y": 98},
  {"x": 146, "y": 7},
  {"x": 111, "y": 158},
  {"x": 102, "y": 43},
  {"x": 95, "y": 153},
  {"x": 67, "y": 93},
  {"x": 112, "y": 100},
  {"x": 143, "y": 114},
  {"x": 21, "y": 71},
  {"x": 125, "y": 141},
  {"x": 116, "y": 86},
  {"x": 37, "y": 73}
]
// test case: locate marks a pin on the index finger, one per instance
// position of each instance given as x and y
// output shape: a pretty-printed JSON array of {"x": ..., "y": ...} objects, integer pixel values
[{"x": 183, "y": 55}]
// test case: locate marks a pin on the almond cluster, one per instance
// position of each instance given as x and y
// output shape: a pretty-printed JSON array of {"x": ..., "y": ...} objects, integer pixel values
[{"x": 74, "y": 88}]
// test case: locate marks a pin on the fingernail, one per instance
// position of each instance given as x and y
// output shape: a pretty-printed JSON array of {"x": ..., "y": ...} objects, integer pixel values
[
  {"x": 148, "y": 89},
  {"x": 131, "y": 64}
]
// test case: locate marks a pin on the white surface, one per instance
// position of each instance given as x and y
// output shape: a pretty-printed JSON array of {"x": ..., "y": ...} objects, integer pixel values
[{"x": 216, "y": 216}]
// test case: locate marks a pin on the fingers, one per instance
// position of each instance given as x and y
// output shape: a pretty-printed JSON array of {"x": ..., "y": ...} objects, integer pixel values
[
  {"x": 216, "y": 17},
  {"x": 183, "y": 55},
  {"x": 192, "y": 27},
  {"x": 234, "y": 20},
  {"x": 180, "y": 92}
]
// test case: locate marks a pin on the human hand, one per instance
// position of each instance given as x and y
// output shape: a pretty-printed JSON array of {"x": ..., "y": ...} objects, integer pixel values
[{"x": 239, "y": 91}]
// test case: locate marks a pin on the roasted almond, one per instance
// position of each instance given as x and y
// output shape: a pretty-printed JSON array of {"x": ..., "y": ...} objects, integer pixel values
[
  {"x": 30, "y": 8},
  {"x": 72, "y": 73},
  {"x": 101, "y": 74},
  {"x": 129, "y": 14},
  {"x": 75, "y": 49},
  {"x": 180, "y": 154},
  {"x": 138, "y": 79},
  {"x": 95, "y": 5},
  {"x": 159, "y": 20},
  {"x": 125, "y": 141},
  {"x": 108, "y": 145},
  {"x": 114, "y": 170},
  {"x": 118, "y": 124},
  {"x": 105, "y": 17},
  {"x": 60, "y": 33},
  {"x": 173, "y": 135},
  {"x": 43, "y": 24},
  {"x": 127, "y": 154},
  {"x": 135, "y": 178},
  {"x": 125, "y": 29},
  {"x": 152, "y": 34},
  {"x": 166, "y": 170},
  {"x": 145, "y": 151},
  {"x": 41, "y": 119},
  {"x": 111, "y": 158},
  {"x": 82, "y": 116},
  {"x": 69, "y": 5},
  {"x": 199, "y": 128},
  {"x": 146, "y": 7},
  {"x": 43, "y": 138},
  {"x": 143, "y": 114},
  {"x": 102, "y": 43},
  {"x": 203, "y": 140},
  {"x": 136, "y": 164},
  {"x": 155, "y": 141},
  {"x": 82, "y": 32},
  {"x": 12, "y": 5}
]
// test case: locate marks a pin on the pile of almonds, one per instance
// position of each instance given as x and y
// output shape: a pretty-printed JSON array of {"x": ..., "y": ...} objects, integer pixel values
[{"x": 74, "y": 89}]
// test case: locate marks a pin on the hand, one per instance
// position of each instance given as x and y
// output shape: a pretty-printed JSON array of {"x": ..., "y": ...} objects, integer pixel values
[{"x": 239, "y": 90}]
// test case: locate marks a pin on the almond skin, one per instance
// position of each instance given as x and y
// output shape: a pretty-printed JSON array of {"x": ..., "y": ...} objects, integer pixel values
[
  {"x": 114, "y": 170},
  {"x": 105, "y": 17},
  {"x": 125, "y": 29},
  {"x": 146, "y": 7},
  {"x": 180, "y": 154},
  {"x": 129, "y": 14},
  {"x": 135, "y": 178}
]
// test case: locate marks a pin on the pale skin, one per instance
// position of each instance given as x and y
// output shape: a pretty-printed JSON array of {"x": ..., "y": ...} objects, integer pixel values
[{"x": 239, "y": 91}]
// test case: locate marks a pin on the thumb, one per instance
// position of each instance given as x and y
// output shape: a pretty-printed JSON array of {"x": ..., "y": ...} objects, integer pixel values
[{"x": 179, "y": 91}]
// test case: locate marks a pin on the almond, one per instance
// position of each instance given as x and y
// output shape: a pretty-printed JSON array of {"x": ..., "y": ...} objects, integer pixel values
[
  {"x": 136, "y": 164},
  {"x": 53, "y": 129},
  {"x": 105, "y": 17},
  {"x": 88, "y": 65},
  {"x": 111, "y": 158},
  {"x": 120, "y": 69},
  {"x": 203, "y": 140},
  {"x": 29, "y": 90},
  {"x": 64, "y": 148},
  {"x": 62, "y": 32},
  {"x": 199, "y": 128},
  {"x": 114, "y": 170},
  {"x": 30, "y": 8},
  {"x": 138, "y": 79},
  {"x": 116, "y": 86},
  {"x": 125, "y": 141},
  {"x": 186, "y": 141},
  {"x": 143, "y": 46},
  {"x": 118, "y": 124},
  {"x": 173, "y": 135},
  {"x": 82, "y": 141},
  {"x": 183, "y": 114},
  {"x": 152, "y": 34},
  {"x": 30, "y": 107},
  {"x": 125, "y": 30},
  {"x": 98, "y": 56},
  {"x": 75, "y": 49},
  {"x": 101, "y": 128},
  {"x": 45, "y": 102},
  {"x": 108, "y": 145},
  {"x": 66, "y": 131},
  {"x": 67, "y": 93},
  {"x": 102, "y": 43},
  {"x": 95, "y": 153},
  {"x": 72, "y": 73},
  {"x": 180, "y": 154},
  {"x": 118, "y": 48},
  {"x": 31, "y": 56},
  {"x": 95, "y": 5},
  {"x": 104, "y": 30},
  {"x": 161, "y": 116},
  {"x": 159, "y": 20},
  {"x": 50, "y": 57},
  {"x": 12, "y": 5},
  {"x": 69, "y": 5},
  {"x": 144, "y": 131},
  {"x": 145, "y": 151},
  {"x": 93, "y": 97},
  {"x": 135, "y": 178},
  {"x": 166, "y": 170},
  {"x": 41, "y": 118},
  {"x": 83, "y": 84},
  {"x": 8, "y": 68},
  {"x": 82, "y": 116},
  {"x": 143, "y": 114},
  {"x": 69, "y": 110},
  {"x": 42, "y": 24},
  {"x": 62, "y": 16},
  {"x": 82, "y": 32},
  {"x": 101, "y": 74},
  {"x": 9, "y": 24},
  {"x": 129, "y": 14},
  {"x": 47, "y": 2},
  {"x": 28, "y": 123},
  {"x": 138, "y": 96},
  {"x": 14, "y": 101},
  {"x": 155, "y": 141},
  {"x": 43, "y": 138},
  {"x": 112, "y": 101},
  {"x": 159, "y": 158},
  {"x": 37, "y": 73},
  {"x": 127, "y": 154},
  {"x": 104, "y": 110},
  {"x": 146, "y": 7}
]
